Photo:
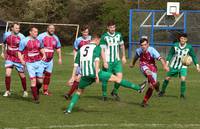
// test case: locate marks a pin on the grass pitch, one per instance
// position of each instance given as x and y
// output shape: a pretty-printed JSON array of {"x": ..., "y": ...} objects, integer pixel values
[{"x": 91, "y": 112}]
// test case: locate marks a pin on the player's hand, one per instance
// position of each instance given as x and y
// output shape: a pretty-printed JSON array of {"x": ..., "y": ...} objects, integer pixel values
[
  {"x": 44, "y": 57},
  {"x": 97, "y": 78},
  {"x": 123, "y": 60},
  {"x": 59, "y": 61},
  {"x": 23, "y": 63},
  {"x": 198, "y": 69},
  {"x": 3, "y": 55},
  {"x": 105, "y": 65},
  {"x": 71, "y": 80},
  {"x": 166, "y": 68},
  {"x": 131, "y": 65}
]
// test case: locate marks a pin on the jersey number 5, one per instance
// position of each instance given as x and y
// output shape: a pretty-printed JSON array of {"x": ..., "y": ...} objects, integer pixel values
[{"x": 86, "y": 51}]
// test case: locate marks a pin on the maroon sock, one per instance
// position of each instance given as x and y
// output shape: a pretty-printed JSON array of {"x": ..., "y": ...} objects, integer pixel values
[
  {"x": 38, "y": 85},
  {"x": 148, "y": 94},
  {"x": 7, "y": 82},
  {"x": 34, "y": 93},
  {"x": 73, "y": 88},
  {"x": 23, "y": 81},
  {"x": 47, "y": 77}
]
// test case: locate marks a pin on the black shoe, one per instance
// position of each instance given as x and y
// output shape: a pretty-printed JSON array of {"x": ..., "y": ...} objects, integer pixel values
[
  {"x": 104, "y": 98},
  {"x": 157, "y": 87},
  {"x": 142, "y": 85},
  {"x": 115, "y": 95},
  {"x": 182, "y": 97},
  {"x": 67, "y": 97},
  {"x": 144, "y": 104},
  {"x": 161, "y": 94}
]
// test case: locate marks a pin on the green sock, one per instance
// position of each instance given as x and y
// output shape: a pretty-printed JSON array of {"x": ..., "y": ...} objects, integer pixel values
[
  {"x": 104, "y": 89},
  {"x": 164, "y": 85},
  {"x": 183, "y": 87},
  {"x": 73, "y": 101},
  {"x": 128, "y": 84},
  {"x": 116, "y": 87}
]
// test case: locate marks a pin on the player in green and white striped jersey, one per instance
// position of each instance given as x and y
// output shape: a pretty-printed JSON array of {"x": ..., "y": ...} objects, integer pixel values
[
  {"x": 111, "y": 43},
  {"x": 88, "y": 60},
  {"x": 176, "y": 53}
]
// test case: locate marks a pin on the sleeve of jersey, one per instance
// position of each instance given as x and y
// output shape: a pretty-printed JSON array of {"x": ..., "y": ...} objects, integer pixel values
[
  {"x": 58, "y": 43},
  {"x": 4, "y": 38},
  {"x": 170, "y": 54},
  {"x": 76, "y": 45},
  {"x": 121, "y": 40},
  {"x": 22, "y": 36},
  {"x": 22, "y": 45},
  {"x": 77, "y": 60},
  {"x": 193, "y": 55},
  {"x": 40, "y": 37},
  {"x": 156, "y": 54},
  {"x": 97, "y": 53},
  {"x": 41, "y": 45},
  {"x": 102, "y": 42}
]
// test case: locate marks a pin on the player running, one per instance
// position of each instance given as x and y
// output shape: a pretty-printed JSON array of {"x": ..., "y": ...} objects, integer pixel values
[
  {"x": 176, "y": 53},
  {"x": 31, "y": 48},
  {"x": 10, "y": 48},
  {"x": 51, "y": 43},
  {"x": 111, "y": 44},
  {"x": 147, "y": 56},
  {"x": 79, "y": 42},
  {"x": 88, "y": 60}
]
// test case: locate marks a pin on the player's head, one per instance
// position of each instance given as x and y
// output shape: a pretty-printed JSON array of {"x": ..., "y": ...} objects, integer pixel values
[
  {"x": 33, "y": 32},
  {"x": 183, "y": 38},
  {"x": 85, "y": 31},
  {"x": 51, "y": 29},
  {"x": 111, "y": 27},
  {"x": 15, "y": 27},
  {"x": 95, "y": 38},
  {"x": 144, "y": 44}
]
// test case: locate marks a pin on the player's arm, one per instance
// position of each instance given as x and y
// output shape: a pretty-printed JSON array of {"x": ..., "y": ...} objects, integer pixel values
[
  {"x": 42, "y": 51},
  {"x": 135, "y": 58},
  {"x": 19, "y": 53},
  {"x": 157, "y": 56},
  {"x": 97, "y": 62},
  {"x": 194, "y": 58},
  {"x": 59, "y": 55},
  {"x": 103, "y": 49},
  {"x": 3, "y": 48},
  {"x": 123, "y": 51},
  {"x": 170, "y": 55}
]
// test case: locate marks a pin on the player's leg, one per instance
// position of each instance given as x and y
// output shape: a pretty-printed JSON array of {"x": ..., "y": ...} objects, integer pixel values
[
  {"x": 47, "y": 77},
  {"x": 39, "y": 75},
  {"x": 171, "y": 73},
  {"x": 84, "y": 82},
  {"x": 152, "y": 79},
  {"x": 183, "y": 74},
  {"x": 8, "y": 81},
  {"x": 105, "y": 83},
  {"x": 74, "y": 86},
  {"x": 106, "y": 76},
  {"x": 20, "y": 68}
]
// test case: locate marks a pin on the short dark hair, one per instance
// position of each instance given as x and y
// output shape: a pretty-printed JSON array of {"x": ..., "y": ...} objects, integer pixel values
[
  {"x": 95, "y": 35},
  {"x": 84, "y": 27},
  {"x": 183, "y": 35},
  {"x": 31, "y": 28},
  {"x": 111, "y": 23},
  {"x": 143, "y": 40},
  {"x": 14, "y": 23}
]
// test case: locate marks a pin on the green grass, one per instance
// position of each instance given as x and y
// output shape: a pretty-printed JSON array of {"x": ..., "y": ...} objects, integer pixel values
[{"x": 91, "y": 112}]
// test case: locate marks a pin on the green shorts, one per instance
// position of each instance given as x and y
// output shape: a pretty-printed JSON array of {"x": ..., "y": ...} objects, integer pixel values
[
  {"x": 114, "y": 67},
  {"x": 88, "y": 80},
  {"x": 177, "y": 72}
]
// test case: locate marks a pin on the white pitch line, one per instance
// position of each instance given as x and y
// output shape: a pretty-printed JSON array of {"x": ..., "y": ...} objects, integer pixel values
[{"x": 154, "y": 125}]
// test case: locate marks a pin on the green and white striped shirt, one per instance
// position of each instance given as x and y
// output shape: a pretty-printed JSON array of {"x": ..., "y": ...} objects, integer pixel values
[
  {"x": 176, "y": 54},
  {"x": 111, "y": 43},
  {"x": 86, "y": 57}
]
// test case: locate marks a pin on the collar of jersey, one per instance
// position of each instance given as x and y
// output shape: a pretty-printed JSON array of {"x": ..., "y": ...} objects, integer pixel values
[
  {"x": 181, "y": 47},
  {"x": 111, "y": 34}
]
